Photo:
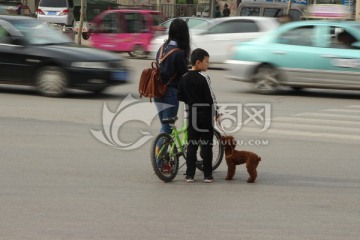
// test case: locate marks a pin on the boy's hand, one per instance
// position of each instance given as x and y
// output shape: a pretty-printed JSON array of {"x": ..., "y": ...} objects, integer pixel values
[{"x": 218, "y": 118}]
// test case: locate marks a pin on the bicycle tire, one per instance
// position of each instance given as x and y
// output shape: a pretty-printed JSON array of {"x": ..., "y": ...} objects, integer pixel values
[
  {"x": 218, "y": 152},
  {"x": 164, "y": 156}
]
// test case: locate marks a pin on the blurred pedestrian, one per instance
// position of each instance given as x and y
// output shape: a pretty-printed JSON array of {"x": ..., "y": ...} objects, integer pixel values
[
  {"x": 19, "y": 9},
  {"x": 217, "y": 12},
  {"x": 226, "y": 11}
]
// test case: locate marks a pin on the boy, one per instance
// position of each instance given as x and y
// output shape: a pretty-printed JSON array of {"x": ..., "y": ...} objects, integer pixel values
[{"x": 195, "y": 91}]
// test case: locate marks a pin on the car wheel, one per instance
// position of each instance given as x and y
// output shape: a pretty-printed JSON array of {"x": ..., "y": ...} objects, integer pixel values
[
  {"x": 51, "y": 81},
  {"x": 85, "y": 35},
  {"x": 297, "y": 89},
  {"x": 138, "y": 52},
  {"x": 99, "y": 90},
  {"x": 266, "y": 79}
]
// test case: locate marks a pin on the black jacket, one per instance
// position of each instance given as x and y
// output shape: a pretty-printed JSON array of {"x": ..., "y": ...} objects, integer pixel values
[
  {"x": 175, "y": 63},
  {"x": 194, "y": 89}
]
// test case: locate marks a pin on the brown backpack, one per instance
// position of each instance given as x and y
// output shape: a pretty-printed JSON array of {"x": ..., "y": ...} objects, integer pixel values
[{"x": 150, "y": 84}]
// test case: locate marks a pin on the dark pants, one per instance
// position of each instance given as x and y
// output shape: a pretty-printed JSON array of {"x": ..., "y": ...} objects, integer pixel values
[{"x": 203, "y": 138}]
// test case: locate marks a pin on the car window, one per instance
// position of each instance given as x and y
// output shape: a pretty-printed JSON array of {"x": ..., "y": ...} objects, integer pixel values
[
  {"x": 194, "y": 22},
  {"x": 340, "y": 38},
  {"x": 298, "y": 36},
  {"x": 4, "y": 35},
  {"x": 110, "y": 24},
  {"x": 250, "y": 11},
  {"x": 166, "y": 24},
  {"x": 135, "y": 22},
  {"x": 273, "y": 12},
  {"x": 206, "y": 25},
  {"x": 53, "y": 3},
  {"x": 40, "y": 33},
  {"x": 234, "y": 27}
]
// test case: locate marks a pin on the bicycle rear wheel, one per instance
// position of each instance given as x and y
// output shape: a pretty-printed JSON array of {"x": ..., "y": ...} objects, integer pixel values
[
  {"x": 164, "y": 158},
  {"x": 218, "y": 153}
]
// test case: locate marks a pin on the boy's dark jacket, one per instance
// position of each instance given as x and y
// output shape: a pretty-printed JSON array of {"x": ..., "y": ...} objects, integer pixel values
[{"x": 194, "y": 89}]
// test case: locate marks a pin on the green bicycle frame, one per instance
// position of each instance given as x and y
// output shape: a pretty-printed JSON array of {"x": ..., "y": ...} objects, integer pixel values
[
  {"x": 178, "y": 141},
  {"x": 176, "y": 133}
]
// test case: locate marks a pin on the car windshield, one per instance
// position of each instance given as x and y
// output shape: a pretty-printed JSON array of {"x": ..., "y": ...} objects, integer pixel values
[
  {"x": 205, "y": 25},
  {"x": 38, "y": 33},
  {"x": 53, "y": 3}
]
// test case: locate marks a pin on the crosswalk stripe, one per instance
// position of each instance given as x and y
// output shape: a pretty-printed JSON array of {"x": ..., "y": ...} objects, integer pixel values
[
  {"x": 343, "y": 110},
  {"x": 328, "y": 115},
  {"x": 315, "y": 121},
  {"x": 303, "y": 133},
  {"x": 315, "y": 127},
  {"x": 354, "y": 106},
  {"x": 328, "y": 125}
]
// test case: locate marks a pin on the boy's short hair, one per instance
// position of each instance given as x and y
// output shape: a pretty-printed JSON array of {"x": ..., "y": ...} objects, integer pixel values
[{"x": 198, "y": 54}]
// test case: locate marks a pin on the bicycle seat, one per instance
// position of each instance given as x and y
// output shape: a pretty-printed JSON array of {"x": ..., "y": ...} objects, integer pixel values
[{"x": 169, "y": 120}]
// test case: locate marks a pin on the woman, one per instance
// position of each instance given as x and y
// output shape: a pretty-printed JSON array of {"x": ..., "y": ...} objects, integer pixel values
[{"x": 172, "y": 68}]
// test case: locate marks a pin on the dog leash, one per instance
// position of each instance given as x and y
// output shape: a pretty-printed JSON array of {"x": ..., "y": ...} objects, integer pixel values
[{"x": 220, "y": 128}]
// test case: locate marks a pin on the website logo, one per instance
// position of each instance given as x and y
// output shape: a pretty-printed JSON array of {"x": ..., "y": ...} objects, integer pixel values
[
  {"x": 234, "y": 116},
  {"x": 129, "y": 109}
]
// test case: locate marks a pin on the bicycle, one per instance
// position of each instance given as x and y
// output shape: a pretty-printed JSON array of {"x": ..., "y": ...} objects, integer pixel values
[{"x": 166, "y": 149}]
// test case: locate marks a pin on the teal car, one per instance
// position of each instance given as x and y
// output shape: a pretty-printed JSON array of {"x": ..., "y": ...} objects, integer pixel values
[{"x": 303, "y": 54}]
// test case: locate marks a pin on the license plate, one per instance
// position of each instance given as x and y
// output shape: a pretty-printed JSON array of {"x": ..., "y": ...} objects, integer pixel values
[
  {"x": 121, "y": 76},
  {"x": 51, "y": 13}
]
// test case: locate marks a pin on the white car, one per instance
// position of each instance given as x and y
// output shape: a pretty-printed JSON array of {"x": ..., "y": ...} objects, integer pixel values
[
  {"x": 192, "y": 22},
  {"x": 56, "y": 11},
  {"x": 218, "y": 37}
]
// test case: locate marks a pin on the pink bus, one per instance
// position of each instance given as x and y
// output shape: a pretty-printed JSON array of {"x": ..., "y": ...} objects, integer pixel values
[{"x": 125, "y": 30}]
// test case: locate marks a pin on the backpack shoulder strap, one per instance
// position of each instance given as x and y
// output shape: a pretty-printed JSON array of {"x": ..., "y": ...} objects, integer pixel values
[{"x": 167, "y": 54}]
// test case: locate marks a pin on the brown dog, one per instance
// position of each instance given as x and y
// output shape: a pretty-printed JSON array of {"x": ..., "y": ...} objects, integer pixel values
[{"x": 234, "y": 157}]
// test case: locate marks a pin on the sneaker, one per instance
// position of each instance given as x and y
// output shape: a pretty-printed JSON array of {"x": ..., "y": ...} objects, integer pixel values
[
  {"x": 208, "y": 179},
  {"x": 189, "y": 179}
]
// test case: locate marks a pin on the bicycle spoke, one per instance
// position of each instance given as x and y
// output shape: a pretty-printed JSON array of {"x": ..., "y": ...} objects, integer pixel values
[{"x": 164, "y": 158}]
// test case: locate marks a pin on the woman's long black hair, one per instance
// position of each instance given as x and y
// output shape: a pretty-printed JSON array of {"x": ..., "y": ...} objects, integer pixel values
[{"x": 179, "y": 32}]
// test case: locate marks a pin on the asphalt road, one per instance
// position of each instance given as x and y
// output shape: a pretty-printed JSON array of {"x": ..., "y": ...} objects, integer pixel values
[{"x": 57, "y": 181}]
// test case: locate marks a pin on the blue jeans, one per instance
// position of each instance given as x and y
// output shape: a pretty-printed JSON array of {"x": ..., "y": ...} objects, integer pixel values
[{"x": 161, "y": 105}]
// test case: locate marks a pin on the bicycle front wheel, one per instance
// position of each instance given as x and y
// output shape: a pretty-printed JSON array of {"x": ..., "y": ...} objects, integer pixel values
[
  {"x": 164, "y": 157},
  {"x": 218, "y": 153}
]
